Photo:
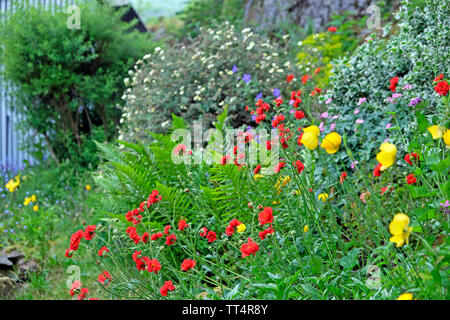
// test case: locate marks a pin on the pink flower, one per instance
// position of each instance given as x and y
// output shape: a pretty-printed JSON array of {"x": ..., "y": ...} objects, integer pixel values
[
  {"x": 324, "y": 115},
  {"x": 334, "y": 117},
  {"x": 359, "y": 121},
  {"x": 332, "y": 126},
  {"x": 321, "y": 127},
  {"x": 388, "y": 126},
  {"x": 328, "y": 101},
  {"x": 356, "y": 111},
  {"x": 361, "y": 100}
]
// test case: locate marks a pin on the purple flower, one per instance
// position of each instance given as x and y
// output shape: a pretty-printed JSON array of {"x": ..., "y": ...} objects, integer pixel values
[
  {"x": 259, "y": 96},
  {"x": 414, "y": 102},
  {"x": 276, "y": 92},
  {"x": 235, "y": 69},
  {"x": 246, "y": 78}
]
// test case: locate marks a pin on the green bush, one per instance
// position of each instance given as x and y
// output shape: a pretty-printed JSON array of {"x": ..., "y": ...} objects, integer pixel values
[
  {"x": 68, "y": 81},
  {"x": 196, "y": 81}
]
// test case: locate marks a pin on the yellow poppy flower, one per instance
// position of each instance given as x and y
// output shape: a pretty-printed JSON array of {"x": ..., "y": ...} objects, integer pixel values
[
  {"x": 282, "y": 182},
  {"x": 323, "y": 197},
  {"x": 405, "y": 296},
  {"x": 436, "y": 131},
  {"x": 400, "y": 229},
  {"x": 331, "y": 142},
  {"x": 27, "y": 201},
  {"x": 13, "y": 184},
  {"x": 387, "y": 154},
  {"x": 240, "y": 228},
  {"x": 33, "y": 198},
  {"x": 88, "y": 187},
  {"x": 446, "y": 137},
  {"x": 35, "y": 208},
  {"x": 310, "y": 137},
  {"x": 257, "y": 176},
  {"x": 305, "y": 228}
]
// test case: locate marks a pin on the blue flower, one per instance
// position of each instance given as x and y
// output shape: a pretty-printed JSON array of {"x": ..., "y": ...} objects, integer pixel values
[
  {"x": 235, "y": 69},
  {"x": 259, "y": 96},
  {"x": 276, "y": 92},
  {"x": 246, "y": 78}
]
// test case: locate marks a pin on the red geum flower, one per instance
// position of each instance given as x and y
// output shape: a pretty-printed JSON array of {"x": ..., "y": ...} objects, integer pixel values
[
  {"x": 299, "y": 114},
  {"x": 102, "y": 251},
  {"x": 279, "y": 166},
  {"x": 211, "y": 236},
  {"x": 383, "y": 190},
  {"x": 393, "y": 83},
  {"x": 300, "y": 166},
  {"x": 258, "y": 167},
  {"x": 187, "y": 264},
  {"x": 103, "y": 277},
  {"x": 76, "y": 285},
  {"x": 377, "y": 170},
  {"x": 409, "y": 155},
  {"x": 332, "y": 29},
  {"x": 268, "y": 145},
  {"x": 203, "y": 232},
  {"x": 145, "y": 237},
  {"x": 317, "y": 71},
  {"x": 89, "y": 232},
  {"x": 168, "y": 286},
  {"x": 305, "y": 78},
  {"x": 225, "y": 160},
  {"x": 83, "y": 293},
  {"x": 343, "y": 176},
  {"x": 410, "y": 179},
  {"x": 264, "y": 233},
  {"x": 439, "y": 77},
  {"x": 75, "y": 240},
  {"x": 182, "y": 225},
  {"x": 289, "y": 78},
  {"x": 166, "y": 229},
  {"x": 153, "y": 265},
  {"x": 153, "y": 197},
  {"x": 156, "y": 236},
  {"x": 266, "y": 216},
  {"x": 277, "y": 120},
  {"x": 249, "y": 248},
  {"x": 442, "y": 88},
  {"x": 170, "y": 240}
]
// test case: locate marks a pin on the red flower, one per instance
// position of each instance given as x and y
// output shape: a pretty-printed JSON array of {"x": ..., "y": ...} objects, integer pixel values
[
  {"x": 166, "y": 229},
  {"x": 249, "y": 248},
  {"x": 102, "y": 250},
  {"x": 278, "y": 167},
  {"x": 383, "y": 190},
  {"x": 76, "y": 285},
  {"x": 332, "y": 29},
  {"x": 203, "y": 232},
  {"x": 133, "y": 234},
  {"x": 103, "y": 277},
  {"x": 377, "y": 171},
  {"x": 170, "y": 240},
  {"x": 89, "y": 232},
  {"x": 317, "y": 71},
  {"x": 393, "y": 83},
  {"x": 299, "y": 114},
  {"x": 343, "y": 176},
  {"x": 182, "y": 225},
  {"x": 410, "y": 179},
  {"x": 153, "y": 197},
  {"x": 225, "y": 160},
  {"x": 145, "y": 237},
  {"x": 264, "y": 233},
  {"x": 442, "y": 88},
  {"x": 266, "y": 216},
  {"x": 258, "y": 167},
  {"x": 277, "y": 120},
  {"x": 439, "y": 77},
  {"x": 211, "y": 236},
  {"x": 229, "y": 230},
  {"x": 408, "y": 157},
  {"x": 156, "y": 236},
  {"x": 75, "y": 240},
  {"x": 188, "y": 264},
  {"x": 260, "y": 118},
  {"x": 168, "y": 285},
  {"x": 140, "y": 264},
  {"x": 299, "y": 165},
  {"x": 289, "y": 78},
  {"x": 305, "y": 78},
  {"x": 83, "y": 293},
  {"x": 153, "y": 265}
]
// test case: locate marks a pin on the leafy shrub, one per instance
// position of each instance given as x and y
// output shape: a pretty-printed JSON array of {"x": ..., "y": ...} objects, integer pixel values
[
  {"x": 197, "y": 80},
  {"x": 68, "y": 81}
]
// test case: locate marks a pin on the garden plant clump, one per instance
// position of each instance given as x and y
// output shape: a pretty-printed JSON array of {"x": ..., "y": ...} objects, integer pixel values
[{"x": 322, "y": 178}]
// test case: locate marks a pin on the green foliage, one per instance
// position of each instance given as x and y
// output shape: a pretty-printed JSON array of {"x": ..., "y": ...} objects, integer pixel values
[
  {"x": 196, "y": 81},
  {"x": 68, "y": 81}
]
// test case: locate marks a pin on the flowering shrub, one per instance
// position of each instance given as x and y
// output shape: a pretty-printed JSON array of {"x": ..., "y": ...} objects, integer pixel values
[{"x": 221, "y": 67}]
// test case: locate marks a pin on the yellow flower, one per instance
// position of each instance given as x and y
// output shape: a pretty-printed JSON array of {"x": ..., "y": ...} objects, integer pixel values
[
  {"x": 276, "y": 202},
  {"x": 310, "y": 137},
  {"x": 387, "y": 154},
  {"x": 400, "y": 230},
  {"x": 27, "y": 201},
  {"x": 88, "y": 187},
  {"x": 297, "y": 192},
  {"x": 405, "y": 296},
  {"x": 323, "y": 197},
  {"x": 331, "y": 142},
  {"x": 257, "y": 176},
  {"x": 436, "y": 131},
  {"x": 13, "y": 184},
  {"x": 282, "y": 182},
  {"x": 240, "y": 228},
  {"x": 305, "y": 228},
  {"x": 446, "y": 137},
  {"x": 33, "y": 198},
  {"x": 35, "y": 208}
]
